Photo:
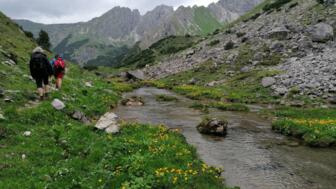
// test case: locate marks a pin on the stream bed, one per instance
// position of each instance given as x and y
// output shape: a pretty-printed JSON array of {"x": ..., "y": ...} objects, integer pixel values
[{"x": 252, "y": 155}]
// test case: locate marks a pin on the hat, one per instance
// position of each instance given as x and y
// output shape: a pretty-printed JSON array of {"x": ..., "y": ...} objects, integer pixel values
[{"x": 38, "y": 50}]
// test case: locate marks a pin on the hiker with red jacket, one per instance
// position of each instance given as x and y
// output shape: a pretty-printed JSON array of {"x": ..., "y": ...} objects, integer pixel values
[
  {"x": 40, "y": 70},
  {"x": 59, "y": 70}
]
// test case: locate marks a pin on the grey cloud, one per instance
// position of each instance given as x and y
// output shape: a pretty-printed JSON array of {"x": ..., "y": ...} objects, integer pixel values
[{"x": 58, "y": 11}]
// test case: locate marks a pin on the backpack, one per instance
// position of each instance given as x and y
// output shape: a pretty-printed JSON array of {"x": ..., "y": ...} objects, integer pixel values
[
  {"x": 38, "y": 63},
  {"x": 59, "y": 66}
]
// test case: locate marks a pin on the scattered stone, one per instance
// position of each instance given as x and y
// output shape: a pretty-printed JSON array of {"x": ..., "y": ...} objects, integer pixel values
[
  {"x": 277, "y": 46},
  {"x": 192, "y": 81},
  {"x": 27, "y": 133},
  {"x": 88, "y": 84},
  {"x": 297, "y": 103},
  {"x": 213, "y": 127},
  {"x": 268, "y": 81},
  {"x": 8, "y": 100},
  {"x": 80, "y": 116},
  {"x": 58, "y": 104},
  {"x": 108, "y": 123},
  {"x": 279, "y": 33},
  {"x": 9, "y": 62},
  {"x": 133, "y": 101},
  {"x": 321, "y": 32},
  {"x": 332, "y": 100},
  {"x": 211, "y": 84},
  {"x": 246, "y": 69},
  {"x": 23, "y": 156},
  {"x": 136, "y": 75}
]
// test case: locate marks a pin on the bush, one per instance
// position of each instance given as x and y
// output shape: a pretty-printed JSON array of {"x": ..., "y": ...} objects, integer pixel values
[
  {"x": 214, "y": 42},
  {"x": 229, "y": 45},
  {"x": 275, "y": 5}
]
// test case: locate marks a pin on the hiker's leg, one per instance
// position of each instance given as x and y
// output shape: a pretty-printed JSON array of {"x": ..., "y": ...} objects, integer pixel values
[
  {"x": 40, "y": 90},
  {"x": 59, "y": 83},
  {"x": 46, "y": 86}
]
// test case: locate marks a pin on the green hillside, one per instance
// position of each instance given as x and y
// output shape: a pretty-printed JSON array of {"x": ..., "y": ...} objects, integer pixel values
[
  {"x": 61, "y": 152},
  {"x": 205, "y": 20}
]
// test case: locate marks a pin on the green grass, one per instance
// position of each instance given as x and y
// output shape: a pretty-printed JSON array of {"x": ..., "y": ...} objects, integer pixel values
[
  {"x": 205, "y": 20},
  {"x": 64, "y": 153},
  {"x": 317, "y": 127}
]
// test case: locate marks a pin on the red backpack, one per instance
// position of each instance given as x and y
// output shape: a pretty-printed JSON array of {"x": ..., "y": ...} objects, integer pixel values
[{"x": 59, "y": 66}]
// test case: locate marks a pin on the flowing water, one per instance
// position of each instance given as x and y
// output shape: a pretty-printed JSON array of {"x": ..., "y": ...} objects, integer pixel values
[{"x": 252, "y": 156}]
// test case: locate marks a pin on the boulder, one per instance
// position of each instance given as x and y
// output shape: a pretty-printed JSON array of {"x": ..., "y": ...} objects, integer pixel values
[
  {"x": 80, "y": 116},
  {"x": 268, "y": 81},
  {"x": 58, "y": 104},
  {"x": 213, "y": 127},
  {"x": 321, "y": 32},
  {"x": 133, "y": 101},
  {"x": 332, "y": 100},
  {"x": 277, "y": 46},
  {"x": 108, "y": 123},
  {"x": 279, "y": 33},
  {"x": 8, "y": 99},
  {"x": 136, "y": 75}
]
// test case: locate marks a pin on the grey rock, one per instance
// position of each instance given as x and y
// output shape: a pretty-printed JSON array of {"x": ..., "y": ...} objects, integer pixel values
[
  {"x": 281, "y": 91},
  {"x": 213, "y": 127},
  {"x": 136, "y": 74},
  {"x": 279, "y": 33},
  {"x": 268, "y": 81},
  {"x": 58, "y": 104},
  {"x": 246, "y": 69},
  {"x": 8, "y": 99},
  {"x": 277, "y": 46},
  {"x": 321, "y": 32},
  {"x": 332, "y": 100},
  {"x": 80, "y": 116},
  {"x": 133, "y": 101},
  {"x": 192, "y": 81}
]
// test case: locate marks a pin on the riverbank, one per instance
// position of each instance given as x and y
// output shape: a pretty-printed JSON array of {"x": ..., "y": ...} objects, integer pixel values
[
  {"x": 42, "y": 147},
  {"x": 312, "y": 122},
  {"x": 253, "y": 156}
]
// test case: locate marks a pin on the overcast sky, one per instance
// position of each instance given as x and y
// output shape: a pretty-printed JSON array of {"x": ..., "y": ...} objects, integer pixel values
[{"x": 68, "y": 11}]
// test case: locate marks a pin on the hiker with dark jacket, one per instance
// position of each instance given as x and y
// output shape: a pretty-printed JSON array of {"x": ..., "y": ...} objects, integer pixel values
[
  {"x": 40, "y": 70},
  {"x": 59, "y": 70}
]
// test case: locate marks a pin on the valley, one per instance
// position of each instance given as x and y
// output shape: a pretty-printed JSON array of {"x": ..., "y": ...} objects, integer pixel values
[{"x": 138, "y": 87}]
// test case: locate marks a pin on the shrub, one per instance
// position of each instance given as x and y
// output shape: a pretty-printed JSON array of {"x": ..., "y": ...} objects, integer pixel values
[
  {"x": 229, "y": 45},
  {"x": 214, "y": 42},
  {"x": 275, "y": 5}
]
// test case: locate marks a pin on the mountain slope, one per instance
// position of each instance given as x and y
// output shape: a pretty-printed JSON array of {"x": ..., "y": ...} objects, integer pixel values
[{"x": 122, "y": 26}]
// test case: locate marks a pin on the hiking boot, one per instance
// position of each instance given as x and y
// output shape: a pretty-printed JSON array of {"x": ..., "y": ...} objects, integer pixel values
[
  {"x": 46, "y": 95},
  {"x": 41, "y": 98}
]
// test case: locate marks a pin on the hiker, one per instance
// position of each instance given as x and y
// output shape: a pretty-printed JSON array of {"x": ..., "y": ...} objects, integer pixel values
[
  {"x": 59, "y": 70},
  {"x": 40, "y": 70}
]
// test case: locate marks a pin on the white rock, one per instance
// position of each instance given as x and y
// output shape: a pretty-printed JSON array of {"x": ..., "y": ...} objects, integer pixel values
[
  {"x": 109, "y": 123},
  {"x": 27, "y": 133},
  {"x": 23, "y": 156},
  {"x": 57, "y": 104},
  {"x": 2, "y": 117},
  {"x": 88, "y": 84}
]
